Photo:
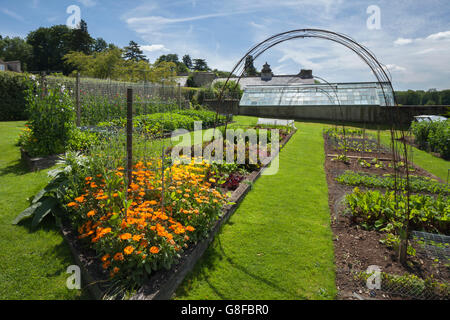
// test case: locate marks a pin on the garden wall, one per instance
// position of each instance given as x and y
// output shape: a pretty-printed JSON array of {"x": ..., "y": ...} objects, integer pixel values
[{"x": 369, "y": 114}]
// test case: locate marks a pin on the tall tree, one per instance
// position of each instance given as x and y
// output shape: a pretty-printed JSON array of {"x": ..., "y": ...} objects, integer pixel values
[
  {"x": 16, "y": 49},
  {"x": 100, "y": 45},
  {"x": 171, "y": 57},
  {"x": 249, "y": 68},
  {"x": 81, "y": 40},
  {"x": 187, "y": 61},
  {"x": 200, "y": 65},
  {"x": 49, "y": 46},
  {"x": 133, "y": 52}
]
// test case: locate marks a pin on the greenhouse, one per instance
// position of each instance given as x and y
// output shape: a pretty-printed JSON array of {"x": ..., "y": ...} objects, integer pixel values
[{"x": 346, "y": 94}]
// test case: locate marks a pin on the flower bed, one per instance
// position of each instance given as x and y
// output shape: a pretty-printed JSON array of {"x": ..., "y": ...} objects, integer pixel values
[{"x": 131, "y": 242}]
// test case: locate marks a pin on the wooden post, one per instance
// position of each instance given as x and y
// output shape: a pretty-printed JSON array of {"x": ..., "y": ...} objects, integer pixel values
[
  {"x": 129, "y": 134},
  {"x": 77, "y": 99},
  {"x": 179, "y": 95}
]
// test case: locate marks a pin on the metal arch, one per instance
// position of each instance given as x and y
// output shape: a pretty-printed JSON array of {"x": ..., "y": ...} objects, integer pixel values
[
  {"x": 379, "y": 70},
  {"x": 365, "y": 54}
]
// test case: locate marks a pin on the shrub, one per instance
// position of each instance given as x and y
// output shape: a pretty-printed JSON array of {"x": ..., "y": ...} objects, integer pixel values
[
  {"x": 433, "y": 136},
  {"x": 13, "y": 88},
  {"x": 51, "y": 121}
]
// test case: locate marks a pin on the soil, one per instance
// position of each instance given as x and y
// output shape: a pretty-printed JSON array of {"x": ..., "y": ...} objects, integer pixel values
[{"x": 356, "y": 249}]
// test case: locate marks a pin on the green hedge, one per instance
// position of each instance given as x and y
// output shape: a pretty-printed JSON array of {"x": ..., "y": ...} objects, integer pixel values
[
  {"x": 13, "y": 98},
  {"x": 433, "y": 136}
]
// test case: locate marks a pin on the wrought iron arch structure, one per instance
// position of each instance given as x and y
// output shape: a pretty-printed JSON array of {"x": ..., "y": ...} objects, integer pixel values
[{"x": 378, "y": 69}]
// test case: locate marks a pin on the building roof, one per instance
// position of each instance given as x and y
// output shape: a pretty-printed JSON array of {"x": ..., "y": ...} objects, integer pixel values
[
  {"x": 275, "y": 81},
  {"x": 362, "y": 93}
]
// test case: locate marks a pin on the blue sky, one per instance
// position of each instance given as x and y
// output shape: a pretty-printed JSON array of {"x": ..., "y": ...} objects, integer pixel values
[{"x": 413, "y": 40}]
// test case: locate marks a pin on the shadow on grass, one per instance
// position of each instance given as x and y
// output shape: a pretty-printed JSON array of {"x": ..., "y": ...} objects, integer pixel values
[
  {"x": 60, "y": 254},
  {"x": 17, "y": 168},
  {"x": 208, "y": 263}
]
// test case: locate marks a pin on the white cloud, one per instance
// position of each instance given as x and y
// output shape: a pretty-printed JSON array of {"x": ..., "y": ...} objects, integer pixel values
[
  {"x": 154, "y": 47},
  {"x": 88, "y": 3},
  {"x": 440, "y": 36},
  {"x": 403, "y": 41},
  {"x": 408, "y": 43},
  {"x": 12, "y": 14}
]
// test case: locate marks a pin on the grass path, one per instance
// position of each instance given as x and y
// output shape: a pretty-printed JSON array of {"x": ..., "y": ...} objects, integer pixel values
[
  {"x": 33, "y": 263},
  {"x": 278, "y": 244}
]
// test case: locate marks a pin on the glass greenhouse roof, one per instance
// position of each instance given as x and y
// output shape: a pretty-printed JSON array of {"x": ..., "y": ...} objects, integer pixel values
[{"x": 316, "y": 95}]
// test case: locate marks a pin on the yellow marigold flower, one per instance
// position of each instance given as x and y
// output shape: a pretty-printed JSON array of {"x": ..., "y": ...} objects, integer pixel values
[{"x": 128, "y": 250}]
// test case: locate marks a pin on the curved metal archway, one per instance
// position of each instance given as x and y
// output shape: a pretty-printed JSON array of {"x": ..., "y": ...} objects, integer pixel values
[{"x": 379, "y": 70}]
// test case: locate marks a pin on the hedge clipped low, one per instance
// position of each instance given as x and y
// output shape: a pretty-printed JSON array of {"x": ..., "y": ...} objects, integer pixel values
[{"x": 13, "y": 97}]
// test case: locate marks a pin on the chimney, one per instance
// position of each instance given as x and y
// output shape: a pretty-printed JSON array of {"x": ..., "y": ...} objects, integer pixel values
[
  {"x": 305, "y": 74},
  {"x": 266, "y": 73}
]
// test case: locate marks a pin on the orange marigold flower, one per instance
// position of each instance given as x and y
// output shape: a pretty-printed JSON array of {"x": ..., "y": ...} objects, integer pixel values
[
  {"x": 125, "y": 236},
  {"x": 137, "y": 237},
  {"x": 72, "y": 204},
  {"x": 118, "y": 256},
  {"x": 190, "y": 228},
  {"x": 128, "y": 250},
  {"x": 106, "y": 264},
  {"x": 154, "y": 250},
  {"x": 105, "y": 257},
  {"x": 115, "y": 270},
  {"x": 88, "y": 178},
  {"x": 91, "y": 213}
]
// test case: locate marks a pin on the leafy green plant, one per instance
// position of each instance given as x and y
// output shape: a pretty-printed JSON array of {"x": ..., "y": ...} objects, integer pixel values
[
  {"x": 51, "y": 199},
  {"x": 51, "y": 121},
  {"x": 416, "y": 183},
  {"x": 342, "y": 158},
  {"x": 376, "y": 211},
  {"x": 433, "y": 136}
]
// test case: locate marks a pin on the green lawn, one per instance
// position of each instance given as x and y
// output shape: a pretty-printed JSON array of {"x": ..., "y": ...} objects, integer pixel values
[
  {"x": 437, "y": 166},
  {"x": 278, "y": 244},
  {"x": 33, "y": 264}
]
